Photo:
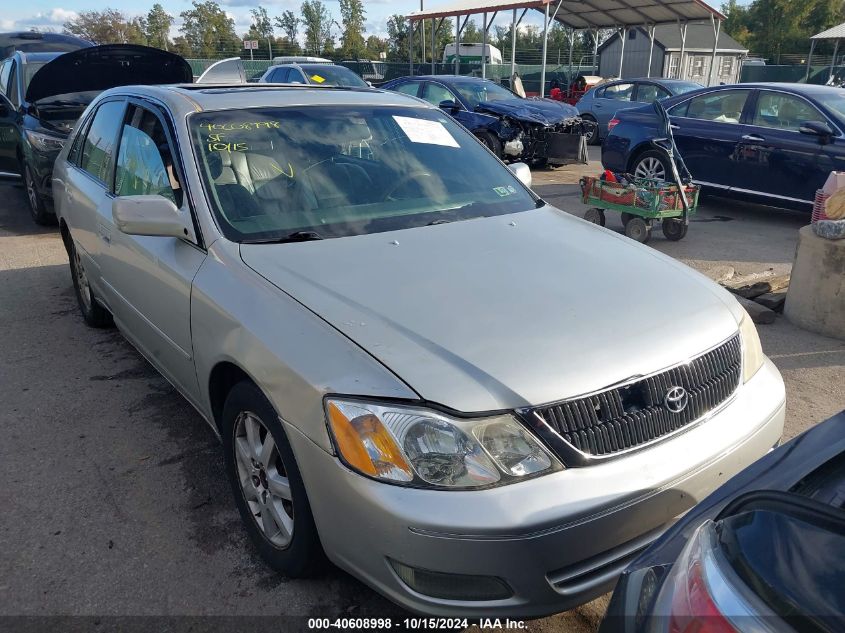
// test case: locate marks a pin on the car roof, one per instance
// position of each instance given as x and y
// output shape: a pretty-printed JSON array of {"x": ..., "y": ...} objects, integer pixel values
[{"x": 183, "y": 99}]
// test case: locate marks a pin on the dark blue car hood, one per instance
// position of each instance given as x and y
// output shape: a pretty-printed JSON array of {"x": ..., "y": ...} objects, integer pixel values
[{"x": 542, "y": 111}]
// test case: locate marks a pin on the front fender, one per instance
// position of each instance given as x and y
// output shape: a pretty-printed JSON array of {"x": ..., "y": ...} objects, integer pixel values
[{"x": 292, "y": 355}]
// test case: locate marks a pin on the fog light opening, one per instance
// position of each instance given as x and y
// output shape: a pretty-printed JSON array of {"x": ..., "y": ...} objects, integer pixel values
[{"x": 437, "y": 584}]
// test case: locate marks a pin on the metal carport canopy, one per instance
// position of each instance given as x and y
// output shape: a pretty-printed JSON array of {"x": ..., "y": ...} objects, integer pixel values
[{"x": 578, "y": 14}]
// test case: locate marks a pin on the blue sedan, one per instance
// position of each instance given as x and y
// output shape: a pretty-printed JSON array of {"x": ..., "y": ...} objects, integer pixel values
[
  {"x": 768, "y": 142},
  {"x": 602, "y": 102}
]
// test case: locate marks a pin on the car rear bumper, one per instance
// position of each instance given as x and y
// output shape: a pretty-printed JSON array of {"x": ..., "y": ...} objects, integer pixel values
[{"x": 557, "y": 540}]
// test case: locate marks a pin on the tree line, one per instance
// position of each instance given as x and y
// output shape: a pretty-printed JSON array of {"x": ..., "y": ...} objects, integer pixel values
[
  {"x": 771, "y": 28},
  {"x": 206, "y": 31}
]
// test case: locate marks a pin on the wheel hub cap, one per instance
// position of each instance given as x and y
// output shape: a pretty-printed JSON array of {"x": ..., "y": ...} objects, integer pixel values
[{"x": 263, "y": 479}]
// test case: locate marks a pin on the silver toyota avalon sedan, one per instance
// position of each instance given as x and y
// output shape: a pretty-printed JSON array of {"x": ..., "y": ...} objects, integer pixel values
[{"x": 473, "y": 402}]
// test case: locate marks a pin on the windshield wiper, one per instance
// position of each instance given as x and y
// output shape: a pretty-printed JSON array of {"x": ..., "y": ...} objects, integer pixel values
[{"x": 296, "y": 236}]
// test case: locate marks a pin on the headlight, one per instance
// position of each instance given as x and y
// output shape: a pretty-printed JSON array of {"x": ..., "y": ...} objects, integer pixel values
[
  {"x": 752, "y": 351},
  {"x": 45, "y": 142},
  {"x": 420, "y": 447}
]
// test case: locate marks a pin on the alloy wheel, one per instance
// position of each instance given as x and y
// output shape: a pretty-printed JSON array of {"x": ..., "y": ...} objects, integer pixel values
[
  {"x": 650, "y": 167},
  {"x": 82, "y": 281},
  {"x": 31, "y": 193},
  {"x": 263, "y": 479}
]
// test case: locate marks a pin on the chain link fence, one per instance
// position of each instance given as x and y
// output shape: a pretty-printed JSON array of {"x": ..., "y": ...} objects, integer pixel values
[{"x": 379, "y": 72}]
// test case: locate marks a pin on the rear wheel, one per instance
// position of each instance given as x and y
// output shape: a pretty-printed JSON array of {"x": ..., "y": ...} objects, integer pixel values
[
  {"x": 94, "y": 314},
  {"x": 638, "y": 229},
  {"x": 267, "y": 484},
  {"x": 37, "y": 208},
  {"x": 651, "y": 164},
  {"x": 593, "y": 138}
]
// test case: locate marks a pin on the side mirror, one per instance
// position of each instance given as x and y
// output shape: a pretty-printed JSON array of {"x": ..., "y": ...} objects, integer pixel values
[
  {"x": 450, "y": 106},
  {"x": 151, "y": 215},
  {"x": 816, "y": 128},
  {"x": 522, "y": 172}
]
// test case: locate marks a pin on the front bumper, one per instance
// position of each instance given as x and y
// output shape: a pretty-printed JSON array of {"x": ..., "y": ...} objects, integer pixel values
[{"x": 558, "y": 540}]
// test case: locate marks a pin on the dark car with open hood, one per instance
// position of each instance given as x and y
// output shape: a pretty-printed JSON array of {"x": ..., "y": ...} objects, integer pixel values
[
  {"x": 44, "y": 92},
  {"x": 536, "y": 131},
  {"x": 763, "y": 553}
]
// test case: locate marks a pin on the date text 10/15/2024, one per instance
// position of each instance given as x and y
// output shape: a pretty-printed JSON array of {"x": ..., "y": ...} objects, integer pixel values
[{"x": 413, "y": 623}]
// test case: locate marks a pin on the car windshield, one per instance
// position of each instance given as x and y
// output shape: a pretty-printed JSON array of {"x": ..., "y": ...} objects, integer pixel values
[
  {"x": 29, "y": 70},
  {"x": 476, "y": 93},
  {"x": 329, "y": 75},
  {"x": 332, "y": 171},
  {"x": 680, "y": 87},
  {"x": 833, "y": 100}
]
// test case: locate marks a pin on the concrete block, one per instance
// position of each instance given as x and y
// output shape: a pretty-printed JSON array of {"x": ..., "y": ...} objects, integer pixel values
[
  {"x": 816, "y": 297},
  {"x": 758, "y": 313},
  {"x": 773, "y": 300}
]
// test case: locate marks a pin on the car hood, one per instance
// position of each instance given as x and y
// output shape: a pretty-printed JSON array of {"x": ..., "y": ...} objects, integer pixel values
[
  {"x": 542, "y": 111},
  {"x": 101, "y": 67},
  {"x": 503, "y": 312},
  {"x": 225, "y": 71}
]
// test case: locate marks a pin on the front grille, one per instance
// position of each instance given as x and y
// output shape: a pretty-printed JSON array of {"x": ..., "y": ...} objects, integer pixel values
[{"x": 624, "y": 417}]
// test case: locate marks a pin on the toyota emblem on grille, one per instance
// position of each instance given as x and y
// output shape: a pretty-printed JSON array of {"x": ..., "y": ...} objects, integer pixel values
[{"x": 676, "y": 399}]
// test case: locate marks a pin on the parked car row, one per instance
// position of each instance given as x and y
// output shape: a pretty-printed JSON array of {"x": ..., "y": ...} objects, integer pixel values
[{"x": 371, "y": 329}]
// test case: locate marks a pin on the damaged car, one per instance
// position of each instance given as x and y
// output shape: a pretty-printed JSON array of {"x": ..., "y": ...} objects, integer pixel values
[
  {"x": 536, "y": 131},
  {"x": 42, "y": 94}
]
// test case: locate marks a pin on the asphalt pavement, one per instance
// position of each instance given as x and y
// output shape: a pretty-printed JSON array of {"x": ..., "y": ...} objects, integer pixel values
[{"x": 113, "y": 496}]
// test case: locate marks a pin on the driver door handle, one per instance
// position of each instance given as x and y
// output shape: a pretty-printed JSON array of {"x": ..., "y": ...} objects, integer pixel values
[
  {"x": 753, "y": 137},
  {"x": 674, "y": 127}
]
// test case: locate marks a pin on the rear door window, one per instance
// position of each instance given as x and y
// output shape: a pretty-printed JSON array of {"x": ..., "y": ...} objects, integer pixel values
[
  {"x": 410, "y": 88},
  {"x": 783, "y": 111},
  {"x": 724, "y": 106},
  {"x": 619, "y": 92},
  {"x": 99, "y": 145}
]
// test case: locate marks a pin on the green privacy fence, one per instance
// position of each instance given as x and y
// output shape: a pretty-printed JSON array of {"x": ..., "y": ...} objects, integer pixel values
[
  {"x": 379, "y": 72},
  {"x": 791, "y": 74}
]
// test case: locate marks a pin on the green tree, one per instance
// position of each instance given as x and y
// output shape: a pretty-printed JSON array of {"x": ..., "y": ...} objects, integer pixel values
[
  {"x": 352, "y": 16},
  {"x": 289, "y": 24},
  {"x": 108, "y": 26},
  {"x": 317, "y": 22},
  {"x": 262, "y": 28},
  {"x": 397, "y": 38},
  {"x": 375, "y": 46},
  {"x": 158, "y": 25},
  {"x": 208, "y": 30}
]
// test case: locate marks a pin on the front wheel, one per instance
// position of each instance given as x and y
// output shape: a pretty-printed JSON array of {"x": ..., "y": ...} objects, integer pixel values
[
  {"x": 490, "y": 142},
  {"x": 267, "y": 484},
  {"x": 652, "y": 165},
  {"x": 37, "y": 208},
  {"x": 638, "y": 229},
  {"x": 674, "y": 229}
]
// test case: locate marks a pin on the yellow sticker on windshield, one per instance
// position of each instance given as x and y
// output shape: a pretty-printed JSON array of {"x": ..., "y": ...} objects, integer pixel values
[{"x": 318, "y": 79}]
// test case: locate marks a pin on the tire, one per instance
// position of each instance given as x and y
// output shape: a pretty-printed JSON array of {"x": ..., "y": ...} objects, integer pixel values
[
  {"x": 595, "y": 137},
  {"x": 626, "y": 217},
  {"x": 37, "y": 208},
  {"x": 288, "y": 541},
  {"x": 490, "y": 142},
  {"x": 651, "y": 164},
  {"x": 596, "y": 216},
  {"x": 674, "y": 229},
  {"x": 93, "y": 313},
  {"x": 637, "y": 229}
]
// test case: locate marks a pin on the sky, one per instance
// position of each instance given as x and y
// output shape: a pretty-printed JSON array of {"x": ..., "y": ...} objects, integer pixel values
[{"x": 43, "y": 14}]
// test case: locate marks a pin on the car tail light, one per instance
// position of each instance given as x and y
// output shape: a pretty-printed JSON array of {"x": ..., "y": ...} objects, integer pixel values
[
  {"x": 612, "y": 123},
  {"x": 703, "y": 595}
]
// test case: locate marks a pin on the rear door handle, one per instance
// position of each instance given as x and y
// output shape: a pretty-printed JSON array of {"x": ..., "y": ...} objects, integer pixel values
[
  {"x": 753, "y": 137},
  {"x": 674, "y": 127}
]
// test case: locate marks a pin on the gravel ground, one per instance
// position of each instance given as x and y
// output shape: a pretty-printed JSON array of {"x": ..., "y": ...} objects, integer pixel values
[{"x": 114, "y": 500}]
